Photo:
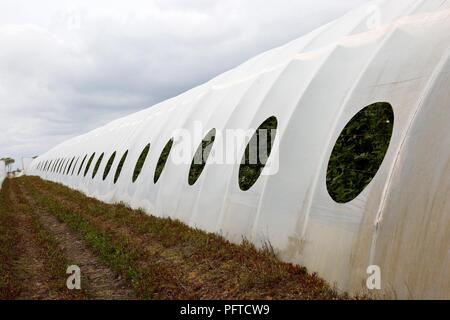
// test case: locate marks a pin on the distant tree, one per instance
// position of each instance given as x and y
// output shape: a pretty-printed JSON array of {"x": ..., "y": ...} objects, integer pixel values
[
  {"x": 8, "y": 163},
  {"x": 5, "y": 160}
]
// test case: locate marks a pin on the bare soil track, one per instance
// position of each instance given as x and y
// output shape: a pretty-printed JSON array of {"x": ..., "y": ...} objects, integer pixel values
[{"x": 126, "y": 254}]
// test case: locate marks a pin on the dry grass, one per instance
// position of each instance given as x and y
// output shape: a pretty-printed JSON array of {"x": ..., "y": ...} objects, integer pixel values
[
  {"x": 165, "y": 259},
  {"x": 32, "y": 263}
]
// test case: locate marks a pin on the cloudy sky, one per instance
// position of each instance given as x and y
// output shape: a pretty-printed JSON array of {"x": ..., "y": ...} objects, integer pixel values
[{"x": 67, "y": 67}]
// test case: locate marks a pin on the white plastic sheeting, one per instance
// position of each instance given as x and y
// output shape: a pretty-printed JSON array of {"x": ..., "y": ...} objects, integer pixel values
[
  {"x": 314, "y": 86},
  {"x": 26, "y": 162}
]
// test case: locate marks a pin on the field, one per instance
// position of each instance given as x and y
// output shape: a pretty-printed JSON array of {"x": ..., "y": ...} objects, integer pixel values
[{"x": 126, "y": 254}]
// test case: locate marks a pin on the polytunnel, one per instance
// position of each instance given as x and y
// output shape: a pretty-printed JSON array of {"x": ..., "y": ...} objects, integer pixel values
[{"x": 389, "y": 60}]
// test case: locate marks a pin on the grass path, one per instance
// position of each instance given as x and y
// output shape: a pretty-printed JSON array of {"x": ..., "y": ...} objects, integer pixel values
[
  {"x": 125, "y": 253},
  {"x": 99, "y": 281},
  {"x": 31, "y": 261}
]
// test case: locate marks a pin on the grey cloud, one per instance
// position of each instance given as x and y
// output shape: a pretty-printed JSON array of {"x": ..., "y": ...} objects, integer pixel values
[{"x": 66, "y": 69}]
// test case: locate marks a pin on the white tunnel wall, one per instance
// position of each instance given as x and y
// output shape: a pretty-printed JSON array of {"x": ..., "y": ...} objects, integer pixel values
[
  {"x": 313, "y": 86},
  {"x": 412, "y": 244}
]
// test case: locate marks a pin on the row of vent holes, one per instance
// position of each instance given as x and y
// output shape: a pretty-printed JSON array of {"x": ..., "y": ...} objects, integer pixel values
[
  {"x": 202, "y": 153},
  {"x": 362, "y": 132},
  {"x": 62, "y": 163}
]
